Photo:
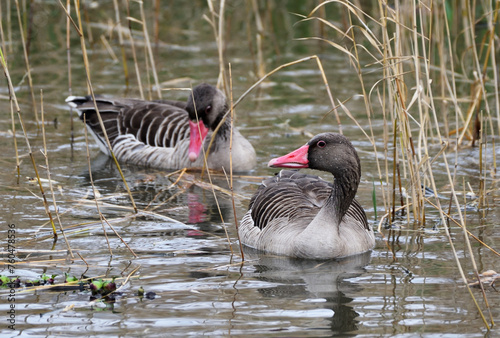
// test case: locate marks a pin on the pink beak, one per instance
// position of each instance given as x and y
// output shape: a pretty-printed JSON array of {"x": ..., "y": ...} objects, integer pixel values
[
  {"x": 198, "y": 134},
  {"x": 296, "y": 159}
]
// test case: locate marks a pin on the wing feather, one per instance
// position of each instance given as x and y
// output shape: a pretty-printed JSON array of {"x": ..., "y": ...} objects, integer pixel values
[
  {"x": 161, "y": 123},
  {"x": 296, "y": 196}
]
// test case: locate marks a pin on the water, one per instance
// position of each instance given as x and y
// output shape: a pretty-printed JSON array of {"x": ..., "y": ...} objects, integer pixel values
[{"x": 408, "y": 285}]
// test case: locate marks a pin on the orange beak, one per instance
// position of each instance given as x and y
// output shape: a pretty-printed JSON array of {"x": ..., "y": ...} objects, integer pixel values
[
  {"x": 198, "y": 134},
  {"x": 296, "y": 159}
]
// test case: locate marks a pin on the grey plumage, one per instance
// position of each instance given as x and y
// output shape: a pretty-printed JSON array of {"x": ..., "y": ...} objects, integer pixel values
[
  {"x": 300, "y": 215},
  {"x": 157, "y": 133}
]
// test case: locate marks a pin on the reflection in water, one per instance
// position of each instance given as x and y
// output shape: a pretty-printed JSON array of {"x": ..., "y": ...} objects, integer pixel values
[
  {"x": 306, "y": 279},
  {"x": 197, "y": 210},
  {"x": 152, "y": 189}
]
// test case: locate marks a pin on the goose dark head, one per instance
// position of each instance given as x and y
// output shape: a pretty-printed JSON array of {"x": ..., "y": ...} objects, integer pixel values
[
  {"x": 333, "y": 153},
  {"x": 206, "y": 106},
  {"x": 329, "y": 152}
]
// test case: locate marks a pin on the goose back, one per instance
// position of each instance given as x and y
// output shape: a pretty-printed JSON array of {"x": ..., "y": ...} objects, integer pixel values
[
  {"x": 301, "y": 215},
  {"x": 307, "y": 193},
  {"x": 156, "y": 123},
  {"x": 157, "y": 133}
]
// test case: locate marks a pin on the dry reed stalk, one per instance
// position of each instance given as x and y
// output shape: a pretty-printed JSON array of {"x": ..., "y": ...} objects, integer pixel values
[
  {"x": 149, "y": 50},
  {"x": 482, "y": 190},
  {"x": 182, "y": 172},
  {"x": 12, "y": 118},
  {"x": 261, "y": 66},
  {"x": 79, "y": 30},
  {"x": 231, "y": 163},
  {"x": 120, "y": 41},
  {"x": 101, "y": 216},
  {"x": 68, "y": 58},
  {"x": 159, "y": 205},
  {"x": 108, "y": 48},
  {"x": 47, "y": 167},
  {"x": 13, "y": 126},
  {"x": 356, "y": 62},
  {"x": 207, "y": 170},
  {"x": 2, "y": 35},
  {"x": 462, "y": 218},
  {"x": 125, "y": 281},
  {"x": 27, "y": 63},
  {"x": 134, "y": 54},
  {"x": 217, "y": 27},
  {"x": 257, "y": 83},
  {"x": 83, "y": 259},
  {"x": 354, "y": 58},
  {"x": 9, "y": 26},
  {"x": 156, "y": 32},
  {"x": 406, "y": 39},
  {"x": 90, "y": 37},
  {"x": 32, "y": 157}
]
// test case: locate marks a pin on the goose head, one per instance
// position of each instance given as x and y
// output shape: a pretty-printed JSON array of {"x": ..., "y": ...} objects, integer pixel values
[
  {"x": 206, "y": 106},
  {"x": 329, "y": 152},
  {"x": 332, "y": 153}
]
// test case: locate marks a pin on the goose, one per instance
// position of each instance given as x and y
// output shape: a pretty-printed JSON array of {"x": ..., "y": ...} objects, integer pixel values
[
  {"x": 301, "y": 215},
  {"x": 167, "y": 134}
]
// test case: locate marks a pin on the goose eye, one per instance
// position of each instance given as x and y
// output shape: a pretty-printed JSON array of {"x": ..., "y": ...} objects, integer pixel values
[
  {"x": 321, "y": 144},
  {"x": 208, "y": 109}
]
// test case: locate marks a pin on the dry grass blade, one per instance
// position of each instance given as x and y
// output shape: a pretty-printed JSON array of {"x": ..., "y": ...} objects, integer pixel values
[
  {"x": 45, "y": 154},
  {"x": 231, "y": 165},
  {"x": 219, "y": 39},
  {"x": 101, "y": 216},
  {"x": 149, "y": 50},
  {"x": 27, "y": 63},
  {"x": 134, "y": 54},
  {"x": 14, "y": 100},
  {"x": 205, "y": 169},
  {"x": 89, "y": 84},
  {"x": 403, "y": 47},
  {"x": 120, "y": 40},
  {"x": 331, "y": 43},
  {"x": 256, "y": 84}
]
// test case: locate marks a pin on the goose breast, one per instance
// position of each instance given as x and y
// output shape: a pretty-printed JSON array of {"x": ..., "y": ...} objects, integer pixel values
[{"x": 301, "y": 215}]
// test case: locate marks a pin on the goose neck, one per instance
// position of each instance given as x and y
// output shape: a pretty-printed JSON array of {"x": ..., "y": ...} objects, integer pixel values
[{"x": 344, "y": 190}]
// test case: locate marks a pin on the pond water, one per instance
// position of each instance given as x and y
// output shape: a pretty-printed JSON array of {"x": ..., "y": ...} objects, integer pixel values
[{"x": 409, "y": 285}]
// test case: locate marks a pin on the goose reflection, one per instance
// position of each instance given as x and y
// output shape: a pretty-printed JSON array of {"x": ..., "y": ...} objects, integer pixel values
[
  {"x": 312, "y": 279},
  {"x": 186, "y": 202}
]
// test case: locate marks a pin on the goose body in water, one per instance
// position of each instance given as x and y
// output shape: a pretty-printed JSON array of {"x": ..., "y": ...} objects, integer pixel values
[
  {"x": 167, "y": 134},
  {"x": 299, "y": 215}
]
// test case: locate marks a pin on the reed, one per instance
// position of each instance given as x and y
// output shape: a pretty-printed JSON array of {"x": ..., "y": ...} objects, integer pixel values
[
  {"x": 79, "y": 30},
  {"x": 26, "y": 60},
  {"x": 68, "y": 58},
  {"x": 216, "y": 21},
  {"x": 3, "y": 58},
  {"x": 231, "y": 165},
  {"x": 2, "y": 34},
  {"x": 14, "y": 103},
  {"x": 435, "y": 97},
  {"x": 149, "y": 50},
  {"x": 120, "y": 41},
  {"x": 47, "y": 167},
  {"x": 101, "y": 216},
  {"x": 403, "y": 43},
  {"x": 134, "y": 53}
]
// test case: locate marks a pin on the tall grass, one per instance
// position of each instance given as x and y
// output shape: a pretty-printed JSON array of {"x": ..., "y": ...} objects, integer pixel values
[
  {"x": 437, "y": 91},
  {"x": 429, "y": 113}
]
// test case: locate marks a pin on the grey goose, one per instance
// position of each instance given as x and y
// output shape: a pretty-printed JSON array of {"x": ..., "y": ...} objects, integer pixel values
[
  {"x": 300, "y": 215},
  {"x": 168, "y": 134}
]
